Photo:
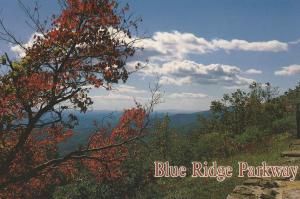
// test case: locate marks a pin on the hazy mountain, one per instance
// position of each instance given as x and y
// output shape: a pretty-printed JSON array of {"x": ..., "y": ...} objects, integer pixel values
[{"x": 89, "y": 122}]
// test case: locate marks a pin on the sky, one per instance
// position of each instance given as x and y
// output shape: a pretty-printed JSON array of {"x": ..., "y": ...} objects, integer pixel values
[{"x": 199, "y": 49}]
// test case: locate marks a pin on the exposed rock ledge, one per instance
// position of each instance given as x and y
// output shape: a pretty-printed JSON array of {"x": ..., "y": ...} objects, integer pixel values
[
  {"x": 266, "y": 189},
  {"x": 254, "y": 188}
]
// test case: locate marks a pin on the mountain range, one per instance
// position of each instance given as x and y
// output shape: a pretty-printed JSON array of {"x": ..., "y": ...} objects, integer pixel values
[{"x": 89, "y": 122}]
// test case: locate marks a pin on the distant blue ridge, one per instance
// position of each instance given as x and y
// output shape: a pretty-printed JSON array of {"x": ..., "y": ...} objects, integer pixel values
[{"x": 86, "y": 124}]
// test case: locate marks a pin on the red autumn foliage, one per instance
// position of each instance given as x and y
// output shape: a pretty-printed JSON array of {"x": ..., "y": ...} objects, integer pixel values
[
  {"x": 86, "y": 45},
  {"x": 129, "y": 127}
]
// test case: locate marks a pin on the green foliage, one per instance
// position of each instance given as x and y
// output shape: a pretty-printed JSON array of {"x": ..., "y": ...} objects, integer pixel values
[
  {"x": 249, "y": 135},
  {"x": 81, "y": 189},
  {"x": 208, "y": 146},
  {"x": 286, "y": 124},
  {"x": 181, "y": 152},
  {"x": 248, "y": 115},
  {"x": 254, "y": 126},
  {"x": 162, "y": 136},
  {"x": 137, "y": 180},
  {"x": 178, "y": 188},
  {"x": 2, "y": 60}
]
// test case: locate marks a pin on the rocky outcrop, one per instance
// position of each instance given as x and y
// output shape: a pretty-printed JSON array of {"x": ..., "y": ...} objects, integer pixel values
[{"x": 255, "y": 188}]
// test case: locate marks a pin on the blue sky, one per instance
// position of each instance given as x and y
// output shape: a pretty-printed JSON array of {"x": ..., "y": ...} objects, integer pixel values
[{"x": 200, "y": 49}]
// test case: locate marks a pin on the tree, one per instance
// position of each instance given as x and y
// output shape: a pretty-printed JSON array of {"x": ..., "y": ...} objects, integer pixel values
[
  {"x": 86, "y": 45},
  {"x": 248, "y": 116},
  {"x": 162, "y": 135}
]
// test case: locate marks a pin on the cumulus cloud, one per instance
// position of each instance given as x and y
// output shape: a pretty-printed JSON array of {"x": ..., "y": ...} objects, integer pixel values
[
  {"x": 180, "y": 72},
  {"x": 236, "y": 44},
  {"x": 165, "y": 80},
  {"x": 177, "y": 44},
  {"x": 253, "y": 71},
  {"x": 169, "y": 56},
  {"x": 288, "y": 70},
  {"x": 187, "y": 95},
  {"x": 21, "y": 51}
]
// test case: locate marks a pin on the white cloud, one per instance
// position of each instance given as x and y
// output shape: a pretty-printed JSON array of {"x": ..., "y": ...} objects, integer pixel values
[
  {"x": 288, "y": 70},
  {"x": 127, "y": 89},
  {"x": 21, "y": 51},
  {"x": 182, "y": 67},
  {"x": 114, "y": 101},
  {"x": 236, "y": 44},
  {"x": 296, "y": 42},
  {"x": 113, "y": 96},
  {"x": 122, "y": 92},
  {"x": 168, "y": 54},
  {"x": 179, "y": 45},
  {"x": 253, "y": 71},
  {"x": 187, "y": 95},
  {"x": 165, "y": 80},
  {"x": 180, "y": 72}
]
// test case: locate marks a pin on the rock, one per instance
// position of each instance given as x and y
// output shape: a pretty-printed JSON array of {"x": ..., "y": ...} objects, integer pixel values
[
  {"x": 272, "y": 188},
  {"x": 295, "y": 147},
  {"x": 252, "y": 181},
  {"x": 291, "y": 194},
  {"x": 244, "y": 190},
  {"x": 268, "y": 184},
  {"x": 268, "y": 194},
  {"x": 238, "y": 196},
  {"x": 251, "y": 192},
  {"x": 291, "y": 160},
  {"x": 291, "y": 153},
  {"x": 295, "y": 142}
]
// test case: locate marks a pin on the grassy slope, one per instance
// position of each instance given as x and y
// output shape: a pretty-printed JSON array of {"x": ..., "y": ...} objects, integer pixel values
[{"x": 209, "y": 188}]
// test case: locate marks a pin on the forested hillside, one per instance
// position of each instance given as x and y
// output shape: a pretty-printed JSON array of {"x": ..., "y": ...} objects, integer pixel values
[
  {"x": 63, "y": 61},
  {"x": 92, "y": 120},
  {"x": 253, "y": 125}
]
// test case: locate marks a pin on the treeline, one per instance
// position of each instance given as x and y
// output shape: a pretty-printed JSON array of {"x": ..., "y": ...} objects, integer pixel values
[
  {"x": 244, "y": 118},
  {"x": 240, "y": 122}
]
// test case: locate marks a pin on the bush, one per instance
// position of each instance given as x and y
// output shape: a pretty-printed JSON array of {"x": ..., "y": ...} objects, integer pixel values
[
  {"x": 251, "y": 134},
  {"x": 286, "y": 124}
]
